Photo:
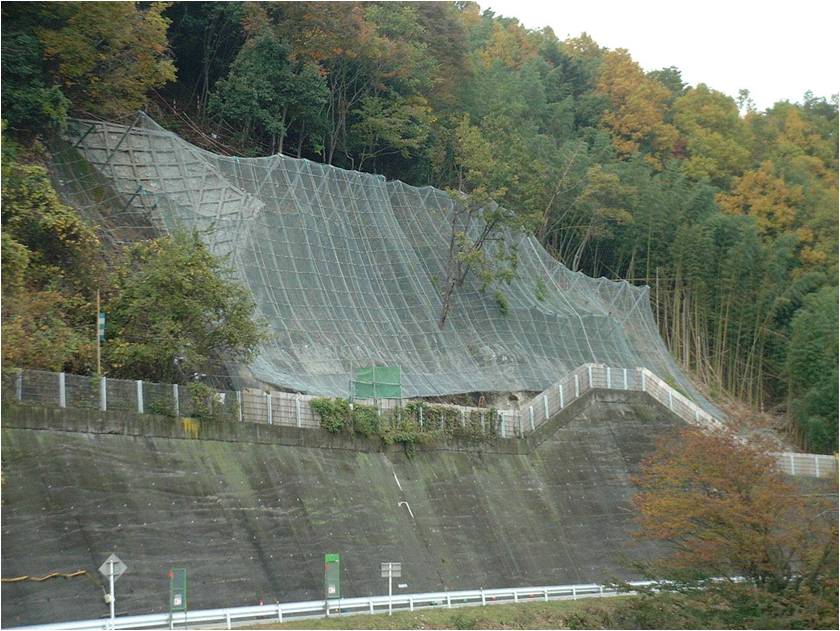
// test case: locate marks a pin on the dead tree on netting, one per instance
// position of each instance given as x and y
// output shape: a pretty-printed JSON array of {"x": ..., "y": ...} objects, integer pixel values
[{"x": 477, "y": 244}]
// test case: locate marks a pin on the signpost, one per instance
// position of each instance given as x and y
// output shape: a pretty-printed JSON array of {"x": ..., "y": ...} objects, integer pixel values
[
  {"x": 113, "y": 568},
  {"x": 332, "y": 578},
  {"x": 390, "y": 571},
  {"x": 177, "y": 593}
]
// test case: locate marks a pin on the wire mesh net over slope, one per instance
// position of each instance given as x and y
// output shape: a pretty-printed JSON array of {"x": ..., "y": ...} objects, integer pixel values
[{"x": 346, "y": 268}]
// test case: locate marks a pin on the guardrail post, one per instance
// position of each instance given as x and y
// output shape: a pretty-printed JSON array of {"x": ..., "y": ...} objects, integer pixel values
[
  {"x": 574, "y": 594},
  {"x": 626, "y": 387},
  {"x": 463, "y": 418},
  {"x": 103, "y": 394},
  {"x": 609, "y": 378},
  {"x": 792, "y": 465},
  {"x": 139, "y": 396},
  {"x": 521, "y": 433},
  {"x": 177, "y": 400},
  {"x": 817, "y": 465},
  {"x": 642, "y": 373},
  {"x": 411, "y": 604},
  {"x": 545, "y": 405},
  {"x": 297, "y": 409},
  {"x": 531, "y": 416},
  {"x": 448, "y": 602},
  {"x": 62, "y": 392},
  {"x": 601, "y": 590},
  {"x": 546, "y": 594},
  {"x": 370, "y": 602},
  {"x": 696, "y": 415},
  {"x": 577, "y": 387},
  {"x": 279, "y": 613},
  {"x": 19, "y": 386},
  {"x": 560, "y": 391},
  {"x": 227, "y": 620},
  {"x": 589, "y": 370},
  {"x": 239, "y": 404},
  {"x": 483, "y": 598},
  {"x": 268, "y": 401},
  {"x": 670, "y": 399},
  {"x": 515, "y": 596}
]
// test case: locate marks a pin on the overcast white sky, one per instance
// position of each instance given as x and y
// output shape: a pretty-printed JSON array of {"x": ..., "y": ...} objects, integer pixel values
[{"x": 776, "y": 50}]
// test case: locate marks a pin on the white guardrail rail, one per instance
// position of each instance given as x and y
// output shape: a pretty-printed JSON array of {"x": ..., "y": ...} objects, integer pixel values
[{"x": 280, "y": 612}]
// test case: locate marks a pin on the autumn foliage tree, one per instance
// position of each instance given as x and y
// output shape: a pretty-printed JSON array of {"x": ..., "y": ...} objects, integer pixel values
[{"x": 725, "y": 511}]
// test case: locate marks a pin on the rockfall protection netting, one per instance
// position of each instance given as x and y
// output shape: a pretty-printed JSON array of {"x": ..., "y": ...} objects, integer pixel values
[{"x": 346, "y": 268}]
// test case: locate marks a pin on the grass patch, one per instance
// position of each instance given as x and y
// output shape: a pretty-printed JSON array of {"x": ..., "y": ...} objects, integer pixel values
[{"x": 559, "y": 614}]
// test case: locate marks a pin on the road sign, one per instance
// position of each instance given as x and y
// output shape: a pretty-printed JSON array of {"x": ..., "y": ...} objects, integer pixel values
[
  {"x": 101, "y": 326},
  {"x": 114, "y": 562},
  {"x": 332, "y": 575},
  {"x": 177, "y": 589},
  {"x": 390, "y": 571}
]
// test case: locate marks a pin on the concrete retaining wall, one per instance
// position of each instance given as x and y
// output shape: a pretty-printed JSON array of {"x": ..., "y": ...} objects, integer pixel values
[{"x": 250, "y": 510}]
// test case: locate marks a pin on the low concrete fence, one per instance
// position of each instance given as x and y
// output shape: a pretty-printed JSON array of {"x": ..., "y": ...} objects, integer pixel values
[{"x": 294, "y": 410}]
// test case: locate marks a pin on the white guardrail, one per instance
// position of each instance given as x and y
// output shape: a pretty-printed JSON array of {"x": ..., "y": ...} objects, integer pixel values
[{"x": 281, "y": 612}]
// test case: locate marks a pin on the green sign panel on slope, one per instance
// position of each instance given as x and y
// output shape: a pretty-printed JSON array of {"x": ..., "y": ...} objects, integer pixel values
[
  {"x": 178, "y": 589},
  {"x": 377, "y": 382},
  {"x": 332, "y": 576},
  {"x": 100, "y": 327}
]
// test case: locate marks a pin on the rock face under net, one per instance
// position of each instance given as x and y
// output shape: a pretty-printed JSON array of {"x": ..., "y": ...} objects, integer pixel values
[{"x": 346, "y": 269}]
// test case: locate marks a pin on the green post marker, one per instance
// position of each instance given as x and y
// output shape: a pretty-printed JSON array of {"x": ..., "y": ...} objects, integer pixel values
[
  {"x": 177, "y": 593},
  {"x": 332, "y": 578}
]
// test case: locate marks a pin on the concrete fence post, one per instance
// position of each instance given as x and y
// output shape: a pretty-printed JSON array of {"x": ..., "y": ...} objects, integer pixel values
[
  {"x": 463, "y": 417},
  {"x": 239, "y": 405},
  {"x": 817, "y": 465},
  {"x": 176, "y": 397},
  {"x": 531, "y": 416},
  {"x": 609, "y": 378},
  {"x": 670, "y": 399},
  {"x": 792, "y": 464},
  {"x": 139, "y": 396},
  {"x": 545, "y": 405},
  {"x": 502, "y": 425},
  {"x": 577, "y": 387},
  {"x": 62, "y": 392},
  {"x": 420, "y": 414},
  {"x": 626, "y": 387},
  {"x": 696, "y": 415},
  {"x": 589, "y": 370},
  {"x": 481, "y": 415},
  {"x": 642, "y": 373},
  {"x": 19, "y": 386},
  {"x": 521, "y": 433},
  {"x": 297, "y": 410},
  {"x": 103, "y": 394},
  {"x": 560, "y": 391},
  {"x": 268, "y": 402}
]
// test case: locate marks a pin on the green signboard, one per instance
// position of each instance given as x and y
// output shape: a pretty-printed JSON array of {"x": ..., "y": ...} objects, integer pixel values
[
  {"x": 101, "y": 326},
  {"x": 376, "y": 382},
  {"x": 177, "y": 589},
  {"x": 332, "y": 576}
]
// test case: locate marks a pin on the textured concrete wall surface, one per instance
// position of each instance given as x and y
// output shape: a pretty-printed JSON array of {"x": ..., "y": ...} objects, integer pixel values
[{"x": 251, "y": 518}]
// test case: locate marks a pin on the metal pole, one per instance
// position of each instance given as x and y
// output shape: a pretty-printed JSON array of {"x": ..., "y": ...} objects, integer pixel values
[
  {"x": 176, "y": 398},
  {"x": 239, "y": 404},
  {"x": 103, "y": 394},
  {"x": 390, "y": 589},
  {"x": 98, "y": 344},
  {"x": 111, "y": 581}
]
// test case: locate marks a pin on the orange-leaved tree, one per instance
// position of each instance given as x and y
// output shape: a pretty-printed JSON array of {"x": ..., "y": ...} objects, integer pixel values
[{"x": 727, "y": 511}]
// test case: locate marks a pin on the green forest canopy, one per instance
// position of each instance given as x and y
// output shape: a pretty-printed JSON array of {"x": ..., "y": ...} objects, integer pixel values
[{"x": 728, "y": 213}]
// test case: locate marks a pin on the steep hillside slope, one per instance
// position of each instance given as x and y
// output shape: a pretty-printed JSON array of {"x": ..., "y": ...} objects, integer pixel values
[
  {"x": 251, "y": 518},
  {"x": 346, "y": 267}
]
